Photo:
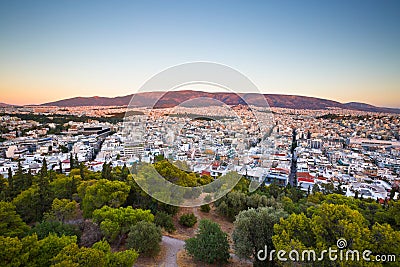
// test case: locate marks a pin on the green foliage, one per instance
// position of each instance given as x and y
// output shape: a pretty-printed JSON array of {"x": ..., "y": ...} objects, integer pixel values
[
  {"x": 145, "y": 237},
  {"x": 205, "y": 208},
  {"x": 11, "y": 223},
  {"x": 27, "y": 204},
  {"x": 294, "y": 193},
  {"x": 242, "y": 185},
  {"x": 85, "y": 257},
  {"x": 44, "y": 228},
  {"x": 21, "y": 180},
  {"x": 103, "y": 192},
  {"x": 204, "y": 179},
  {"x": 49, "y": 247},
  {"x": 116, "y": 222},
  {"x": 65, "y": 187},
  {"x": 384, "y": 239},
  {"x": 10, "y": 252},
  {"x": 331, "y": 222},
  {"x": 210, "y": 244},
  {"x": 231, "y": 204},
  {"x": 60, "y": 251},
  {"x": 188, "y": 220},
  {"x": 296, "y": 230},
  {"x": 175, "y": 175},
  {"x": 165, "y": 221},
  {"x": 124, "y": 258},
  {"x": 234, "y": 202},
  {"x": 274, "y": 190},
  {"x": 171, "y": 210},
  {"x": 315, "y": 189},
  {"x": 293, "y": 207},
  {"x": 106, "y": 171},
  {"x": 62, "y": 210},
  {"x": 328, "y": 223},
  {"x": 254, "y": 229}
]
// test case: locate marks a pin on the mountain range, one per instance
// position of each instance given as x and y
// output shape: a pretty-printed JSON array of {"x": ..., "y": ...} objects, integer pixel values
[{"x": 173, "y": 98}]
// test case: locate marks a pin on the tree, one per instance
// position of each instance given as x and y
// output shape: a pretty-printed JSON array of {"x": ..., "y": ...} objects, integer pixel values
[
  {"x": 115, "y": 222},
  {"x": 65, "y": 186},
  {"x": 315, "y": 189},
  {"x": 71, "y": 162},
  {"x": 106, "y": 171},
  {"x": 3, "y": 188},
  {"x": 27, "y": 204},
  {"x": 331, "y": 222},
  {"x": 44, "y": 228},
  {"x": 124, "y": 258},
  {"x": 10, "y": 252},
  {"x": 165, "y": 221},
  {"x": 45, "y": 194},
  {"x": 392, "y": 193},
  {"x": 43, "y": 170},
  {"x": 48, "y": 247},
  {"x": 188, "y": 220},
  {"x": 231, "y": 204},
  {"x": 21, "y": 180},
  {"x": 384, "y": 239},
  {"x": 72, "y": 255},
  {"x": 10, "y": 190},
  {"x": 210, "y": 244},
  {"x": 274, "y": 190},
  {"x": 102, "y": 192},
  {"x": 11, "y": 223},
  {"x": 293, "y": 165},
  {"x": 124, "y": 173},
  {"x": 145, "y": 237},
  {"x": 294, "y": 232},
  {"x": 82, "y": 170},
  {"x": 253, "y": 231},
  {"x": 62, "y": 210}
]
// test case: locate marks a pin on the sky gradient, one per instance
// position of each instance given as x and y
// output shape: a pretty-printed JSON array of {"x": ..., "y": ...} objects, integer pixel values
[{"x": 339, "y": 50}]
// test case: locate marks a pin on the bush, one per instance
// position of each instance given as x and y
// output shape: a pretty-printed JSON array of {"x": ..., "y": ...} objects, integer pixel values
[
  {"x": 43, "y": 229},
  {"x": 164, "y": 220},
  {"x": 210, "y": 244},
  {"x": 145, "y": 237},
  {"x": 188, "y": 220},
  {"x": 205, "y": 208}
]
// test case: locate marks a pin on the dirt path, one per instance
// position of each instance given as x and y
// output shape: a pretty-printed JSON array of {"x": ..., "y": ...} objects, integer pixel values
[{"x": 173, "y": 247}]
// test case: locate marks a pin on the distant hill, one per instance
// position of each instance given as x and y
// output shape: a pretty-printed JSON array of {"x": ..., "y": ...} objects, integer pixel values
[
  {"x": 4, "y": 105},
  {"x": 171, "y": 99}
]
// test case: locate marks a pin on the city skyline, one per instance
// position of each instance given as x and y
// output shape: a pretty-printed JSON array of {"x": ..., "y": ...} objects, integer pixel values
[{"x": 343, "y": 51}]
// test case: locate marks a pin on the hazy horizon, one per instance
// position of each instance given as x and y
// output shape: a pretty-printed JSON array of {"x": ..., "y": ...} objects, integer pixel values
[
  {"x": 198, "y": 90},
  {"x": 346, "y": 51}
]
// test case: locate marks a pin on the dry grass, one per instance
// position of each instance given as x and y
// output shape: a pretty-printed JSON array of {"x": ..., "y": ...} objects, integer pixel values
[
  {"x": 183, "y": 232},
  {"x": 184, "y": 260},
  {"x": 152, "y": 261}
]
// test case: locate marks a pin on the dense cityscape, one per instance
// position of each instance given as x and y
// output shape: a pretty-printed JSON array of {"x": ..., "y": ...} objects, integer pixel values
[{"x": 354, "y": 150}]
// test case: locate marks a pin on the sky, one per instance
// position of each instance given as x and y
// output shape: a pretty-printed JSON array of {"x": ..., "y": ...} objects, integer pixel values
[{"x": 345, "y": 50}]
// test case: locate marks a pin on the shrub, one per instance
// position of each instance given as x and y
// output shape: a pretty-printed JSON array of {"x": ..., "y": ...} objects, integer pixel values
[
  {"x": 205, "y": 208},
  {"x": 210, "y": 244},
  {"x": 43, "y": 229},
  {"x": 164, "y": 220},
  {"x": 145, "y": 237},
  {"x": 188, "y": 220}
]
